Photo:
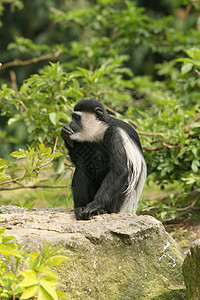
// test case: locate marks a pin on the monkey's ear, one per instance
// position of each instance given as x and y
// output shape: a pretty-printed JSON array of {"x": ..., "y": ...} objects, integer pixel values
[{"x": 99, "y": 113}]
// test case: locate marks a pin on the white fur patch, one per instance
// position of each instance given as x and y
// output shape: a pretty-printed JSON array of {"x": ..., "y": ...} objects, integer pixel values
[
  {"x": 137, "y": 179},
  {"x": 93, "y": 130}
]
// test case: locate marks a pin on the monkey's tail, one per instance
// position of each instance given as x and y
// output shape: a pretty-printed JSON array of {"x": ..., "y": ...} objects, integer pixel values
[
  {"x": 139, "y": 187},
  {"x": 137, "y": 173}
]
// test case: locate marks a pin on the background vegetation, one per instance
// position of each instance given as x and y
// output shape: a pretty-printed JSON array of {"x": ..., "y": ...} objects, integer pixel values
[{"x": 141, "y": 59}]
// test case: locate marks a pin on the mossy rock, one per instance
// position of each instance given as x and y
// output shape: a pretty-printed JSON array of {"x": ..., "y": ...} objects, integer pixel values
[
  {"x": 115, "y": 257},
  {"x": 191, "y": 272}
]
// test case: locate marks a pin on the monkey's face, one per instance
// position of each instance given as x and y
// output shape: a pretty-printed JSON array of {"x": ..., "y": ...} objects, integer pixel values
[
  {"x": 85, "y": 127},
  {"x": 76, "y": 123}
]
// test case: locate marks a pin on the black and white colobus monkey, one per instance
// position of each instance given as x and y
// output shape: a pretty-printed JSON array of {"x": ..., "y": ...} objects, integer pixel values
[{"x": 110, "y": 170}]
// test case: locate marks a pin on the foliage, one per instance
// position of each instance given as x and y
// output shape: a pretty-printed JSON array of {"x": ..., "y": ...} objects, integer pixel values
[
  {"x": 36, "y": 160},
  {"x": 26, "y": 275},
  {"x": 104, "y": 49},
  {"x": 13, "y": 5}
]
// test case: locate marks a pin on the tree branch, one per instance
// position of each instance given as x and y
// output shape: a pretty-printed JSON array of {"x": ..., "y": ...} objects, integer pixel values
[
  {"x": 34, "y": 187},
  {"x": 14, "y": 81},
  {"x": 153, "y": 148},
  {"x": 12, "y": 180},
  {"x": 195, "y": 119},
  {"x": 13, "y": 293},
  {"x": 170, "y": 146},
  {"x": 55, "y": 145},
  {"x": 19, "y": 62},
  {"x": 57, "y": 11},
  {"x": 197, "y": 71},
  {"x": 152, "y": 133}
]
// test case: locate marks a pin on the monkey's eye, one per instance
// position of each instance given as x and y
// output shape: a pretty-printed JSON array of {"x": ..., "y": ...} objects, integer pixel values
[{"x": 76, "y": 117}]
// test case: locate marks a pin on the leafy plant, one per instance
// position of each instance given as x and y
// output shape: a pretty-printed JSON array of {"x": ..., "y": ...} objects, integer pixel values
[
  {"x": 37, "y": 160},
  {"x": 28, "y": 275}
]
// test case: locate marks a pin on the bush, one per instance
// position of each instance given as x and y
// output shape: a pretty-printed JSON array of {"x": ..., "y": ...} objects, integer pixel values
[{"x": 109, "y": 47}]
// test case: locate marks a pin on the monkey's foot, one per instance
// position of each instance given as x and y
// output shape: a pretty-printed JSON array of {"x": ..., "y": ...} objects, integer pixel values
[{"x": 88, "y": 212}]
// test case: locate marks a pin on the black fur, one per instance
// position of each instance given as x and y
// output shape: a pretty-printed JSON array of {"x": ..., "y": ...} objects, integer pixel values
[{"x": 101, "y": 174}]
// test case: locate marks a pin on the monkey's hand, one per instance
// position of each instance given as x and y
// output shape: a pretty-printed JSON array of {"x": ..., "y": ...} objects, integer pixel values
[
  {"x": 66, "y": 133},
  {"x": 88, "y": 212}
]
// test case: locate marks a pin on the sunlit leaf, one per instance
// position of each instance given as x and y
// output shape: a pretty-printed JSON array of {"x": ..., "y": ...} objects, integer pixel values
[
  {"x": 54, "y": 118},
  {"x": 56, "y": 260},
  {"x": 186, "y": 68},
  {"x": 29, "y": 292}
]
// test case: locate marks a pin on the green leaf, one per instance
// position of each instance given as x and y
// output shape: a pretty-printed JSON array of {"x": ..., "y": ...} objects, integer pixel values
[
  {"x": 31, "y": 128},
  {"x": 51, "y": 281},
  {"x": 47, "y": 271},
  {"x": 54, "y": 118},
  {"x": 56, "y": 154},
  {"x": 12, "y": 120},
  {"x": 29, "y": 292},
  {"x": 194, "y": 53},
  {"x": 36, "y": 262},
  {"x": 189, "y": 181},
  {"x": 48, "y": 151},
  {"x": 18, "y": 154},
  {"x": 61, "y": 295},
  {"x": 186, "y": 68},
  {"x": 42, "y": 147},
  {"x": 43, "y": 294},
  {"x": 195, "y": 125},
  {"x": 8, "y": 250},
  {"x": 3, "y": 163},
  {"x": 33, "y": 254},
  {"x": 28, "y": 273},
  {"x": 2, "y": 230},
  {"x": 49, "y": 289},
  {"x": 27, "y": 282},
  {"x": 56, "y": 260},
  {"x": 30, "y": 278},
  {"x": 195, "y": 166}
]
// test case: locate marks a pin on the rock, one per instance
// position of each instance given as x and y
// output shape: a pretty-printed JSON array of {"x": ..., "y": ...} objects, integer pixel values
[
  {"x": 112, "y": 256},
  {"x": 191, "y": 272}
]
